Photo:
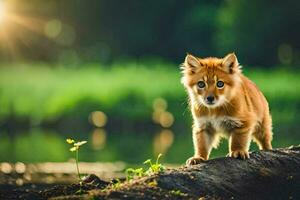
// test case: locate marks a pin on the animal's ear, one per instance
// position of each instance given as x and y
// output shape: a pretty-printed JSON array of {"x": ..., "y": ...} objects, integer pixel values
[
  {"x": 191, "y": 64},
  {"x": 230, "y": 63}
]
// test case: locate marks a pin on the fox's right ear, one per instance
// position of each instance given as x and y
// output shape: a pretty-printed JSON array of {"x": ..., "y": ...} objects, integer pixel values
[
  {"x": 231, "y": 64},
  {"x": 191, "y": 64}
]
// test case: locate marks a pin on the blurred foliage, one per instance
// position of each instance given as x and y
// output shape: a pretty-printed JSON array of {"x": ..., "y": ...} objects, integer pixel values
[
  {"x": 49, "y": 94},
  {"x": 262, "y": 32}
]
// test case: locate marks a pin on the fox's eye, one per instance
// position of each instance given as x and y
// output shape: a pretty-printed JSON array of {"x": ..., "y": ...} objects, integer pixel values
[
  {"x": 201, "y": 84},
  {"x": 220, "y": 84}
]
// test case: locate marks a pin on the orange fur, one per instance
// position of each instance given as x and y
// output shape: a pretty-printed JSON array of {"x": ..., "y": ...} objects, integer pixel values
[{"x": 238, "y": 110}]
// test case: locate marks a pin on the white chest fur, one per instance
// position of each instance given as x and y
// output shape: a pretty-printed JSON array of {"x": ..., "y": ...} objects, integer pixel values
[{"x": 219, "y": 124}]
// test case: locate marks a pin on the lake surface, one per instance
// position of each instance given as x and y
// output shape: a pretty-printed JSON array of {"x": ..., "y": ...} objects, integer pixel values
[{"x": 104, "y": 145}]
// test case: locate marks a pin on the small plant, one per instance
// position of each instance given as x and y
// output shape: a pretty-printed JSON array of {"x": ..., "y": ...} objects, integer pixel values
[
  {"x": 75, "y": 148},
  {"x": 156, "y": 167},
  {"x": 116, "y": 184},
  {"x": 131, "y": 173}
]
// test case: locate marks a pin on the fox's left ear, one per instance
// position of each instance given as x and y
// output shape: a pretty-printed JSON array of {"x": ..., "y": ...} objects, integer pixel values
[
  {"x": 191, "y": 64},
  {"x": 231, "y": 64}
]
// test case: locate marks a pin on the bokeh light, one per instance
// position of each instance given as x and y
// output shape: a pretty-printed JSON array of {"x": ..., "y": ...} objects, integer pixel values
[
  {"x": 160, "y": 104},
  {"x": 19, "y": 182},
  {"x": 6, "y": 168},
  {"x": 53, "y": 28},
  {"x": 160, "y": 114},
  {"x": 98, "y": 118},
  {"x": 163, "y": 141},
  {"x": 166, "y": 119},
  {"x": 20, "y": 167},
  {"x": 98, "y": 138}
]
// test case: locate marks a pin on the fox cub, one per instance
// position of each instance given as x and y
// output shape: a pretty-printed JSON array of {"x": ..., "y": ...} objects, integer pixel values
[{"x": 224, "y": 103}]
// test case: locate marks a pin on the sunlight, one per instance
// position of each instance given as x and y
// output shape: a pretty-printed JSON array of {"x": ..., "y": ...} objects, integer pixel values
[
  {"x": 15, "y": 28},
  {"x": 2, "y": 11},
  {"x": 19, "y": 30}
]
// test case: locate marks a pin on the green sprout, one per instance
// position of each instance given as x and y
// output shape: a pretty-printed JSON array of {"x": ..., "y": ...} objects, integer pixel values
[
  {"x": 117, "y": 184},
  {"x": 156, "y": 167},
  {"x": 75, "y": 148},
  {"x": 131, "y": 173}
]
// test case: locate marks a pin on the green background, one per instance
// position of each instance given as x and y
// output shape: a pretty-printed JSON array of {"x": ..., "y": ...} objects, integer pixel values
[{"x": 62, "y": 60}]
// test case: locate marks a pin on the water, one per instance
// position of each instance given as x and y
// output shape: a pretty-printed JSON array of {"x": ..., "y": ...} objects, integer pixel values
[
  {"x": 40, "y": 145},
  {"x": 129, "y": 146}
]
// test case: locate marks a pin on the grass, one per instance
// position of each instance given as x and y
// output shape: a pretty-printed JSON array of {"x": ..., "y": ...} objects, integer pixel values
[
  {"x": 44, "y": 93},
  {"x": 41, "y": 93}
]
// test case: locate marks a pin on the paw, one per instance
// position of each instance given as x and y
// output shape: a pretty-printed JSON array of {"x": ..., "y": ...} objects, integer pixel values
[
  {"x": 194, "y": 160},
  {"x": 242, "y": 154}
]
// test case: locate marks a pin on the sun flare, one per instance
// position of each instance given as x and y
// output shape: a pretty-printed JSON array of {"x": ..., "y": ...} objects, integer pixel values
[
  {"x": 15, "y": 27},
  {"x": 2, "y": 11}
]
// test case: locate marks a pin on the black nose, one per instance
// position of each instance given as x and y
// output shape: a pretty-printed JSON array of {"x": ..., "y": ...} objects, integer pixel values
[{"x": 210, "y": 99}]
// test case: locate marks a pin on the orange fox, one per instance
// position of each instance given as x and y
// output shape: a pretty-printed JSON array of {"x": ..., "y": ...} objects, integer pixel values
[{"x": 224, "y": 103}]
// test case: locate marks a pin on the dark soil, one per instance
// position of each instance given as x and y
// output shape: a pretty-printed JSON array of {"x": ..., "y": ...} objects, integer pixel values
[
  {"x": 46, "y": 191},
  {"x": 266, "y": 175}
]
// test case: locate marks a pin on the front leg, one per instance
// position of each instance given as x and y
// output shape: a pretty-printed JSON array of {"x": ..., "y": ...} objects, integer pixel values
[
  {"x": 203, "y": 142},
  {"x": 239, "y": 143}
]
